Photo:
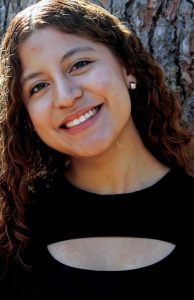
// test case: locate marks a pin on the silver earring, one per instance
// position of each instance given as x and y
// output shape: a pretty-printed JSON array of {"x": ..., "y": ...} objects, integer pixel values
[{"x": 132, "y": 85}]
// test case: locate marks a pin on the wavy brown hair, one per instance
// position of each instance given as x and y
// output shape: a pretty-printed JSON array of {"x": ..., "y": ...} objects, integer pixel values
[{"x": 24, "y": 157}]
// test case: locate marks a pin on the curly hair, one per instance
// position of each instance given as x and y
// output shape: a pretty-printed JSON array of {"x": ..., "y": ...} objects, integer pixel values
[{"x": 24, "y": 157}]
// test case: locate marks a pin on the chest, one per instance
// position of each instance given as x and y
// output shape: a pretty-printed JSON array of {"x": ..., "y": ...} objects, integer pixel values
[{"x": 110, "y": 253}]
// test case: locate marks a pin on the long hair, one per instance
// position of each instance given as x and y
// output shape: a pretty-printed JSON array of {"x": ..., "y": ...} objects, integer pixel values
[{"x": 24, "y": 157}]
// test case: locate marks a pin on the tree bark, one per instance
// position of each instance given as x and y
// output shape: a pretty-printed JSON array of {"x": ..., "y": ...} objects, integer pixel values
[{"x": 166, "y": 27}]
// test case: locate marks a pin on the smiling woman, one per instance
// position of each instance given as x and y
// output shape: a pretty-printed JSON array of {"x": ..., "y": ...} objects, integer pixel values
[
  {"x": 59, "y": 84},
  {"x": 94, "y": 157}
]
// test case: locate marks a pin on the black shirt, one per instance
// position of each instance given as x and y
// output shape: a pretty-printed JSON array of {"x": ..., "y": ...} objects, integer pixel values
[{"x": 60, "y": 211}]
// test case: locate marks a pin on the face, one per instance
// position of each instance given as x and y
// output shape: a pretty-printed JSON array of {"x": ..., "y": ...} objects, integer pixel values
[{"x": 75, "y": 92}]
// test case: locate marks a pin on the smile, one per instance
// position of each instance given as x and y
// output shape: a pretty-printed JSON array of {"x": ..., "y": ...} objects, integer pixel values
[{"x": 82, "y": 118}]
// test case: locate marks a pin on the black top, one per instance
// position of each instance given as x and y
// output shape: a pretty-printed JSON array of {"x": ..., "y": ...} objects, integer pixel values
[{"x": 60, "y": 211}]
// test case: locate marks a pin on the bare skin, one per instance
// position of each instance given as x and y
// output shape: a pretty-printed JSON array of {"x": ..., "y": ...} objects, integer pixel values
[
  {"x": 110, "y": 253},
  {"x": 127, "y": 167}
]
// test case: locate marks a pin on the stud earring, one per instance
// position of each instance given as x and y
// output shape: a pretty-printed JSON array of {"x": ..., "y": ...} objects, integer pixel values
[{"x": 132, "y": 85}]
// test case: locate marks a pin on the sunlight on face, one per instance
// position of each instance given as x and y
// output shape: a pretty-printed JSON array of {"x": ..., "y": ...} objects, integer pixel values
[{"x": 76, "y": 92}]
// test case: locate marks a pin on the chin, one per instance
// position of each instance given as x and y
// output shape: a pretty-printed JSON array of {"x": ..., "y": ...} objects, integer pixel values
[{"x": 95, "y": 151}]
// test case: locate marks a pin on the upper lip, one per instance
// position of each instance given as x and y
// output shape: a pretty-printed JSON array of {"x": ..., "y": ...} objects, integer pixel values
[{"x": 76, "y": 115}]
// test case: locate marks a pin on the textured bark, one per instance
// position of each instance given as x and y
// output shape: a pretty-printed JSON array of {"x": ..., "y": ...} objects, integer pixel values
[{"x": 166, "y": 28}]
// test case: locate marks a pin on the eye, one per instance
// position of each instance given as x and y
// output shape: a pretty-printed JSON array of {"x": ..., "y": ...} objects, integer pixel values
[
  {"x": 38, "y": 87},
  {"x": 80, "y": 64}
]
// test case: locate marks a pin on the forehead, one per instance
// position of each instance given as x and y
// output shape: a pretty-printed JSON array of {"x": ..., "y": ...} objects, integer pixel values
[
  {"x": 53, "y": 40},
  {"x": 41, "y": 35},
  {"x": 49, "y": 46}
]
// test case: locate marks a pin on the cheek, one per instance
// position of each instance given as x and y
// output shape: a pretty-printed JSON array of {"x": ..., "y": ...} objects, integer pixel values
[
  {"x": 97, "y": 80},
  {"x": 113, "y": 81},
  {"x": 102, "y": 84},
  {"x": 38, "y": 113},
  {"x": 102, "y": 78}
]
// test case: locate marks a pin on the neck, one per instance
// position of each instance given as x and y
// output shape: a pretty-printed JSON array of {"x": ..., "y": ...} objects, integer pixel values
[{"x": 127, "y": 167}]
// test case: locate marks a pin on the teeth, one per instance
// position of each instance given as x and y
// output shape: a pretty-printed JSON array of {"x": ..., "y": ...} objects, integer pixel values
[{"x": 82, "y": 118}]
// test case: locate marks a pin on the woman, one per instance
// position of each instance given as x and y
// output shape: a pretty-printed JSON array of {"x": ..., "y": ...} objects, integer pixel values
[{"x": 94, "y": 158}]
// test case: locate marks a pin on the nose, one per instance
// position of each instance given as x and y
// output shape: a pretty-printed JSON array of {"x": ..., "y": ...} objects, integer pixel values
[{"x": 67, "y": 91}]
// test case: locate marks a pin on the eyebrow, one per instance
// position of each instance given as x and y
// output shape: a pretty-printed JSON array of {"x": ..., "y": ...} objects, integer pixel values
[
  {"x": 76, "y": 50},
  {"x": 65, "y": 57}
]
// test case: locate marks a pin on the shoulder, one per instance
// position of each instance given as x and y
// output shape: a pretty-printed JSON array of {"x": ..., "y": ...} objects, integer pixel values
[
  {"x": 10, "y": 274},
  {"x": 175, "y": 191},
  {"x": 180, "y": 191},
  {"x": 178, "y": 180}
]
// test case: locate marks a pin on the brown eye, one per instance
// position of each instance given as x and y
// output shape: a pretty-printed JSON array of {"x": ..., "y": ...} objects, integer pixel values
[
  {"x": 38, "y": 87},
  {"x": 80, "y": 64}
]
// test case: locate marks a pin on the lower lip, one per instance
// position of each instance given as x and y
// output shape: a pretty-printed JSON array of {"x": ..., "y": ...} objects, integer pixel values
[{"x": 82, "y": 126}]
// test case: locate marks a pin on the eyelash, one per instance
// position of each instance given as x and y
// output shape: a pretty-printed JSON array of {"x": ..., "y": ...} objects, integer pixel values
[
  {"x": 41, "y": 85},
  {"x": 77, "y": 66}
]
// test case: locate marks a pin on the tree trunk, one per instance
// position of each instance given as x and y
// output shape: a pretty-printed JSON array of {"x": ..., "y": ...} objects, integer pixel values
[{"x": 166, "y": 28}]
